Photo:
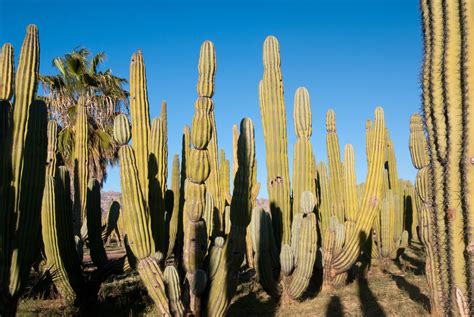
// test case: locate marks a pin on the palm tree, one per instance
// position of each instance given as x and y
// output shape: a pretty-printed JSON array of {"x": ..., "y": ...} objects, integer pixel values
[{"x": 105, "y": 97}]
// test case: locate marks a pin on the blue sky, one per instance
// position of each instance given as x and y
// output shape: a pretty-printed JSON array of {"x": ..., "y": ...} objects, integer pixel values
[{"x": 351, "y": 55}]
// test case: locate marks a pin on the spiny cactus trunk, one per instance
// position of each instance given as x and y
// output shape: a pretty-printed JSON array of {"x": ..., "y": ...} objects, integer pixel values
[{"x": 447, "y": 106}]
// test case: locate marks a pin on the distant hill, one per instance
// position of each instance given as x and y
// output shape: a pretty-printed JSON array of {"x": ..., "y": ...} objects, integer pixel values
[{"x": 107, "y": 198}]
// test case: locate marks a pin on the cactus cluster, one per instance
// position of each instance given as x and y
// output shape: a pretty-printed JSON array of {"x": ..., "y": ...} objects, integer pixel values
[
  {"x": 285, "y": 241},
  {"x": 190, "y": 230},
  {"x": 189, "y": 241}
]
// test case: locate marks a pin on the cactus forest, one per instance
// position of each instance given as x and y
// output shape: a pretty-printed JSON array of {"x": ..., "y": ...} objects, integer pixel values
[{"x": 198, "y": 243}]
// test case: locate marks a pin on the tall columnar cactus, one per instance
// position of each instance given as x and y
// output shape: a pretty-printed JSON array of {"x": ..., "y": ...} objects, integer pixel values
[
  {"x": 448, "y": 105},
  {"x": 273, "y": 113},
  {"x": 139, "y": 111},
  {"x": 52, "y": 148},
  {"x": 57, "y": 232},
  {"x": 138, "y": 219},
  {"x": 420, "y": 159},
  {"x": 158, "y": 173},
  {"x": 303, "y": 154},
  {"x": 24, "y": 156},
  {"x": 81, "y": 167},
  {"x": 6, "y": 72},
  {"x": 205, "y": 89},
  {"x": 224, "y": 177},
  {"x": 197, "y": 172},
  {"x": 223, "y": 283},
  {"x": 94, "y": 224},
  {"x": 235, "y": 138},
  {"x": 336, "y": 172},
  {"x": 174, "y": 226}
]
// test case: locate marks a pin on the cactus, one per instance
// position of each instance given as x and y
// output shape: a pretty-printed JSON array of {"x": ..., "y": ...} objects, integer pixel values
[
  {"x": 23, "y": 157},
  {"x": 235, "y": 138},
  {"x": 306, "y": 247},
  {"x": 81, "y": 169},
  {"x": 6, "y": 72},
  {"x": 303, "y": 153},
  {"x": 272, "y": 108},
  {"x": 205, "y": 89},
  {"x": 158, "y": 172},
  {"x": 369, "y": 205},
  {"x": 224, "y": 283},
  {"x": 138, "y": 226},
  {"x": 94, "y": 230},
  {"x": 447, "y": 98},
  {"x": 175, "y": 215},
  {"x": 224, "y": 177}
]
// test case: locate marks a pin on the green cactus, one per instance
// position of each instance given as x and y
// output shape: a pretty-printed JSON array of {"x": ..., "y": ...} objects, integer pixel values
[
  {"x": 81, "y": 169},
  {"x": 94, "y": 224},
  {"x": 223, "y": 282},
  {"x": 420, "y": 159},
  {"x": 205, "y": 89},
  {"x": 306, "y": 250},
  {"x": 272, "y": 108},
  {"x": 173, "y": 290},
  {"x": 59, "y": 246},
  {"x": 23, "y": 158},
  {"x": 158, "y": 172},
  {"x": 369, "y": 205},
  {"x": 235, "y": 138},
  {"x": 336, "y": 172},
  {"x": 224, "y": 177},
  {"x": 175, "y": 215},
  {"x": 303, "y": 153},
  {"x": 138, "y": 226},
  {"x": 447, "y": 107},
  {"x": 6, "y": 72}
]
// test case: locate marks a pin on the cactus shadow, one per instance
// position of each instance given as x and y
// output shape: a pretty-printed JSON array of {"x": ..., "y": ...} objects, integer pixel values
[
  {"x": 368, "y": 301},
  {"x": 411, "y": 290},
  {"x": 334, "y": 308}
]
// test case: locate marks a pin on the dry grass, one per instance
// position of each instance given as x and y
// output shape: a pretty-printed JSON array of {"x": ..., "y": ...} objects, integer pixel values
[{"x": 400, "y": 292}]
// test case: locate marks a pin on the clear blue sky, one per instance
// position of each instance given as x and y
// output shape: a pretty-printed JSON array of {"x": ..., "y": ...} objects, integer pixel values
[{"x": 351, "y": 55}]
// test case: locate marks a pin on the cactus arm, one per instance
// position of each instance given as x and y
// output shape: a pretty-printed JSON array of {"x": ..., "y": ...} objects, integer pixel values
[
  {"x": 174, "y": 222},
  {"x": 6, "y": 72},
  {"x": 350, "y": 185},
  {"x": 158, "y": 172},
  {"x": 335, "y": 164},
  {"x": 303, "y": 152},
  {"x": 139, "y": 111}
]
